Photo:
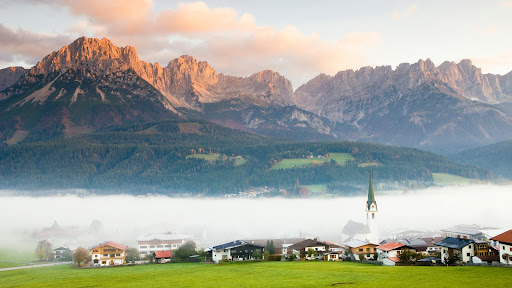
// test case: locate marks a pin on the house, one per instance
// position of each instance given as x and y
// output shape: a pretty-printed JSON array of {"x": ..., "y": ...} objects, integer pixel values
[
  {"x": 461, "y": 248},
  {"x": 368, "y": 232},
  {"x": 150, "y": 243},
  {"x": 108, "y": 253},
  {"x": 235, "y": 251},
  {"x": 358, "y": 247},
  {"x": 389, "y": 252},
  {"x": 162, "y": 256},
  {"x": 473, "y": 232},
  {"x": 318, "y": 248},
  {"x": 504, "y": 243},
  {"x": 281, "y": 245},
  {"x": 61, "y": 253},
  {"x": 333, "y": 255}
]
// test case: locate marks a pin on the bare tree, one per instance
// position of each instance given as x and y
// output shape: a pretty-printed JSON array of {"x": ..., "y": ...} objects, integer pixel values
[{"x": 81, "y": 255}]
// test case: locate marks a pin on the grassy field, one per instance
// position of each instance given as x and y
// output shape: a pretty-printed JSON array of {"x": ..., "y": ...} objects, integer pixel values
[
  {"x": 450, "y": 179},
  {"x": 13, "y": 258},
  {"x": 214, "y": 157},
  {"x": 207, "y": 157},
  {"x": 340, "y": 159},
  {"x": 262, "y": 274}
]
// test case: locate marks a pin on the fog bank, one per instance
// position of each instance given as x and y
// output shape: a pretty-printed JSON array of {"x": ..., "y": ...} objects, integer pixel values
[{"x": 213, "y": 221}]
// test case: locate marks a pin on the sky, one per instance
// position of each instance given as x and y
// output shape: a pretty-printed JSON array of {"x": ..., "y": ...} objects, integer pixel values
[{"x": 299, "y": 39}]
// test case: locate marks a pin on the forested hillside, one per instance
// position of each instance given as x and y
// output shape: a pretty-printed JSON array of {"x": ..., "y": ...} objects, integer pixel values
[
  {"x": 496, "y": 157},
  {"x": 204, "y": 158}
]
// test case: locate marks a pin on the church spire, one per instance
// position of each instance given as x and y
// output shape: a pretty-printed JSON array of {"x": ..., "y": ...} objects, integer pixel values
[{"x": 371, "y": 195}]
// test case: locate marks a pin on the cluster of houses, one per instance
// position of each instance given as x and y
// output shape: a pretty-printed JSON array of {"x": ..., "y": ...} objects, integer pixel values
[{"x": 461, "y": 244}]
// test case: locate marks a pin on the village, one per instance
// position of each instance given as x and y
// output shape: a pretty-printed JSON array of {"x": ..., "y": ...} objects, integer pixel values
[{"x": 468, "y": 245}]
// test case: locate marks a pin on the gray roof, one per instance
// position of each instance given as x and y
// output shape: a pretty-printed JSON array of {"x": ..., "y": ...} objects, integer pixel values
[
  {"x": 163, "y": 237},
  {"x": 352, "y": 228},
  {"x": 278, "y": 243},
  {"x": 356, "y": 243},
  {"x": 464, "y": 229},
  {"x": 454, "y": 243},
  {"x": 233, "y": 244}
]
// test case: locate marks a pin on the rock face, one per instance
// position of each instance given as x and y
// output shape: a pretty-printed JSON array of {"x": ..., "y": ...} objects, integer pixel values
[
  {"x": 9, "y": 76},
  {"x": 417, "y": 105}
]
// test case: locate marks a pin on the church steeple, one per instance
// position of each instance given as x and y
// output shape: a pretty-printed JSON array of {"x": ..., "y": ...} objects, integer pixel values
[{"x": 371, "y": 197}]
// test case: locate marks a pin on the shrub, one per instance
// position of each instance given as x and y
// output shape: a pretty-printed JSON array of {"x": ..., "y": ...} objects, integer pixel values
[{"x": 274, "y": 257}]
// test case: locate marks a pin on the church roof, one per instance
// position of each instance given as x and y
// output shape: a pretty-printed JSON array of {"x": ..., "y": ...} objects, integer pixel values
[
  {"x": 371, "y": 195},
  {"x": 352, "y": 228}
]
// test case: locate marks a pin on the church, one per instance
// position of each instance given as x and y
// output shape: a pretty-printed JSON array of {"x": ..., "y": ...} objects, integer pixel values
[{"x": 368, "y": 232}]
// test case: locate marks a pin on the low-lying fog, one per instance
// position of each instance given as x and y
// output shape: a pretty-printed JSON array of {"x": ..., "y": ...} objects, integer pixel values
[{"x": 214, "y": 221}]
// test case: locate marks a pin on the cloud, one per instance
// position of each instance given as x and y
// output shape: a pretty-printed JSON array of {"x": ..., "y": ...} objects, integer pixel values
[
  {"x": 231, "y": 41},
  {"x": 404, "y": 14},
  {"x": 21, "y": 46},
  {"x": 506, "y": 3},
  {"x": 501, "y": 63}
]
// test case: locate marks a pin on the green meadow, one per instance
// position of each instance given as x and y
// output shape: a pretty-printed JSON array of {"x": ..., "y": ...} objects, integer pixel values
[
  {"x": 340, "y": 159},
  {"x": 259, "y": 274},
  {"x": 450, "y": 179}
]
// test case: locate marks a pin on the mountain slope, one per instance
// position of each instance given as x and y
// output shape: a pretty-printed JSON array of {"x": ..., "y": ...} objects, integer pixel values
[
  {"x": 495, "y": 157},
  {"x": 83, "y": 87},
  {"x": 415, "y": 105},
  {"x": 203, "y": 158}
]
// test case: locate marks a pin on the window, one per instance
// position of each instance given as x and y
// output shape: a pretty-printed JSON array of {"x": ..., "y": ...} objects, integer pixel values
[
  {"x": 367, "y": 255},
  {"x": 360, "y": 249},
  {"x": 167, "y": 246},
  {"x": 143, "y": 247},
  {"x": 118, "y": 255},
  {"x": 94, "y": 250},
  {"x": 468, "y": 254},
  {"x": 159, "y": 246},
  {"x": 373, "y": 215},
  {"x": 103, "y": 262},
  {"x": 153, "y": 246},
  {"x": 105, "y": 255},
  {"x": 367, "y": 249},
  {"x": 469, "y": 246}
]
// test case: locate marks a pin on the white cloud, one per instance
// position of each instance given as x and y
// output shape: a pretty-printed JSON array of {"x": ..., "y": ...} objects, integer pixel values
[
  {"x": 231, "y": 41},
  {"x": 405, "y": 13}
]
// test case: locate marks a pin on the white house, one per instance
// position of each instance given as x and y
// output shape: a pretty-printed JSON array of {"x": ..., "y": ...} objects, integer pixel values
[
  {"x": 463, "y": 248},
  {"x": 150, "y": 243},
  {"x": 504, "y": 243},
  {"x": 108, "y": 253},
  {"x": 235, "y": 251}
]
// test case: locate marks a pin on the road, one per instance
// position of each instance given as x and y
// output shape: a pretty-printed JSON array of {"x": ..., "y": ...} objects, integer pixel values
[{"x": 35, "y": 266}]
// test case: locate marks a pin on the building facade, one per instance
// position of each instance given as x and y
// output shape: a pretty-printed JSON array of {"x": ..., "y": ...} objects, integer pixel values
[
  {"x": 150, "y": 243},
  {"x": 108, "y": 253}
]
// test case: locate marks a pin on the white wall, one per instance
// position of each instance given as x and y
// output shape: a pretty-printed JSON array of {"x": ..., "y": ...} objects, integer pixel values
[
  {"x": 505, "y": 248},
  {"x": 217, "y": 255}
]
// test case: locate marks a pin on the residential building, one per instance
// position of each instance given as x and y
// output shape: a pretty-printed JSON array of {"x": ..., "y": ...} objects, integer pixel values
[
  {"x": 108, "y": 253},
  {"x": 281, "y": 245},
  {"x": 504, "y": 243},
  {"x": 302, "y": 248},
  {"x": 234, "y": 251},
  {"x": 358, "y": 247},
  {"x": 474, "y": 232},
  {"x": 61, "y": 253},
  {"x": 389, "y": 252},
  {"x": 150, "y": 243},
  {"x": 333, "y": 255},
  {"x": 461, "y": 248}
]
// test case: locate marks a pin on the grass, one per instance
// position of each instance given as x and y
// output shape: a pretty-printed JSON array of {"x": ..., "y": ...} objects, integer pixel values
[
  {"x": 14, "y": 258},
  {"x": 340, "y": 159},
  {"x": 214, "y": 157},
  {"x": 207, "y": 157},
  {"x": 450, "y": 179},
  {"x": 260, "y": 274}
]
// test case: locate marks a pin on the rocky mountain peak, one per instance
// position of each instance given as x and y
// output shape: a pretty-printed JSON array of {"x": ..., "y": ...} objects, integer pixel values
[
  {"x": 9, "y": 76},
  {"x": 88, "y": 53}
]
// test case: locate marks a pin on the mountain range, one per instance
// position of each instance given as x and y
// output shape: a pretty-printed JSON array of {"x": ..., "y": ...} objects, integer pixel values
[{"x": 92, "y": 84}]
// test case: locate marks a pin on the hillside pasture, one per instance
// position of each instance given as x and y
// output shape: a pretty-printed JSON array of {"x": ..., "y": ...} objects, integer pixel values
[
  {"x": 259, "y": 274},
  {"x": 450, "y": 179},
  {"x": 340, "y": 159}
]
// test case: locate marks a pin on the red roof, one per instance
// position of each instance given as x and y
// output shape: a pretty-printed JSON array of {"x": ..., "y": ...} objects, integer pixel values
[
  {"x": 390, "y": 246},
  {"x": 505, "y": 237},
  {"x": 163, "y": 254},
  {"x": 111, "y": 244},
  {"x": 394, "y": 259}
]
